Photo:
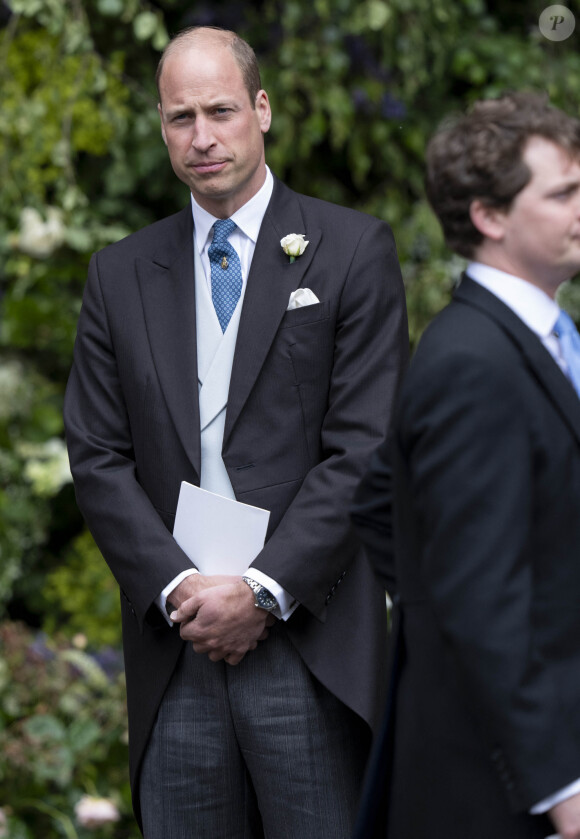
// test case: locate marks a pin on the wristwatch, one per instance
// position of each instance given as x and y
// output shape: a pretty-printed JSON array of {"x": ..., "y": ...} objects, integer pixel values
[{"x": 264, "y": 599}]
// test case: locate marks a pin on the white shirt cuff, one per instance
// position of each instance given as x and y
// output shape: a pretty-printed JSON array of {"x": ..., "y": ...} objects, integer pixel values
[
  {"x": 286, "y": 603},
  {"x": 161, "y": 600},
  {"x": 562, "y": 794}
]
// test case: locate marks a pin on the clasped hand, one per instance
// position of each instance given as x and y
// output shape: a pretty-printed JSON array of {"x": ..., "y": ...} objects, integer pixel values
[
  {"x": 566, "y": 817},
  {"x": 219, "y": 616}
]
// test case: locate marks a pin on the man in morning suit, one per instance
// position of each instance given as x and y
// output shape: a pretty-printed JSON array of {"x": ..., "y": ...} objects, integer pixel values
[
  {"x": 251, "y": 707},
  {"x": 483, "y": 741}
]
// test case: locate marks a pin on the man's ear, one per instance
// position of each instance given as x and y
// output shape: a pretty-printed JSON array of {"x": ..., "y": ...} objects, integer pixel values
[
  {"x": 160, "y": 112},
  {"x": 490, "y": 221},
  {"x": 262, "y": 106}
]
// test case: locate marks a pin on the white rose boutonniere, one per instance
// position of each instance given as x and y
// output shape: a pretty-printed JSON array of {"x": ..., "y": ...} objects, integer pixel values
[{"x": 294, "y": 245}]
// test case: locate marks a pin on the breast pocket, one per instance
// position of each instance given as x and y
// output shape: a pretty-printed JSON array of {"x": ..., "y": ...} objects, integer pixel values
[
  {"x": 306, "y": 314},
  {"x": 306, "y": 338}
]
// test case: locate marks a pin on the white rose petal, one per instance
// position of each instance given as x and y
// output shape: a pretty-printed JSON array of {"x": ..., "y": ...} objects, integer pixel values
[
  {"x": 92, "y": 812},
  {"x": 293, "y": 244}
]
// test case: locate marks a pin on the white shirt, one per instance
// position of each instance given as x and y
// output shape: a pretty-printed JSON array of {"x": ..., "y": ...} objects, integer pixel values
[
  {"x": 243, "y": 239},
  {"x": 532, "y": 305},
  {"x": 540, "y": 313}
]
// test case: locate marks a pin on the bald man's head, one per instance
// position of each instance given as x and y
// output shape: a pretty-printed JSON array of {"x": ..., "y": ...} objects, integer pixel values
[{"x": 208, "y": 37}]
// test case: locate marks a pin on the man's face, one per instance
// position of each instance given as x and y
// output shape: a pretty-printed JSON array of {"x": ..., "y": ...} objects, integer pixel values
[
  {"x": 541, "y": 231},
  {"x": 213, "y": 134}
]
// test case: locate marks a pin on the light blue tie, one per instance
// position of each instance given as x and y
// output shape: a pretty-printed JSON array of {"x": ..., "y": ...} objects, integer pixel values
[
  {"x": 566, "y": 331},
  {"x": 226, "y": 272}
]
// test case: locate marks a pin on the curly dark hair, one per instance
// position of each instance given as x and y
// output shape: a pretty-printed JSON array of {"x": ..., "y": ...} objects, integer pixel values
[{"x": 479, "y": 156}]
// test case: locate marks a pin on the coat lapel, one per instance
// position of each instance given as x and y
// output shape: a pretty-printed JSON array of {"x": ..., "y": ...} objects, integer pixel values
[
  {"x": 271, "y": 280},
  {"x": 168, "y": 296},
  {"x": 539, "y": 360}
]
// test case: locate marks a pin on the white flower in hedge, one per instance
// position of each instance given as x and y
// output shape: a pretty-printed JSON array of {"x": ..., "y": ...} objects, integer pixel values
[
  {"x": 39, "y": 237},
  {"x": 294, "y": 245},
  {"x": 16, "y": 390},
  {"x": 92, "y": 812},
  {"x": 47, "y": 467}
]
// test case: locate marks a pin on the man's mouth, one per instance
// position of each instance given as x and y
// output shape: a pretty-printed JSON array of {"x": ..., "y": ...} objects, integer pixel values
[{"x": 208, "y": 167}]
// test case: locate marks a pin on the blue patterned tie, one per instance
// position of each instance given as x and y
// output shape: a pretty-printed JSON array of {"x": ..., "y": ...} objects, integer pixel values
[
  {"x": 226, "y": 272},
  {"x": 570, "y": 346}
]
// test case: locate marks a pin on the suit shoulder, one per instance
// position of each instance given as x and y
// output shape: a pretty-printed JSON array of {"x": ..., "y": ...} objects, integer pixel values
[
  {"x": 328, "y": 213},
  {"x": 146, "y": 241},
  {"x": 317, "y": 211},
  {"x": 464, "y": 337},
  {"x": 349, "y": 231}
]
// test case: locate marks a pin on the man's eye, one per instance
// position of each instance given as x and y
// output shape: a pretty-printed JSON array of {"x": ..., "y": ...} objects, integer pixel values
[{"x": 564, "y": 194}]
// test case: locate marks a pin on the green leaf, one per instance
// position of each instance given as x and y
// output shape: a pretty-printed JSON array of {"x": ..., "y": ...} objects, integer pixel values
[
  {"x": 111, "y": 8},
  {"x": 45, "y": 728},
  {"x": 145, "y": 25},
  {"x": 82, "y": 734},
  {"x": 379, "y": 14}
]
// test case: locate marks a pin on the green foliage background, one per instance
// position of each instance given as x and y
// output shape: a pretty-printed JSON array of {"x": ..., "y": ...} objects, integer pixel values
[{"x": 356, "y": 87}]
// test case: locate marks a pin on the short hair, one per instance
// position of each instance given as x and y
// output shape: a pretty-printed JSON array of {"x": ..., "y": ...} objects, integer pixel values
[
  {"x": 479, "y": 156},
  {"x": 243, "y": 53}
]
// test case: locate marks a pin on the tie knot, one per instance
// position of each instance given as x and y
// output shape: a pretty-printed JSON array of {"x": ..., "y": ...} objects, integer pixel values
[
  {"x": 222, "y": 229},
  {"x": 564, "y": 325}
]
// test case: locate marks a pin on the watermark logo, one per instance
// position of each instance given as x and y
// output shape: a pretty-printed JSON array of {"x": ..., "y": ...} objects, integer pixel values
[{"x": 557, "y": 23}]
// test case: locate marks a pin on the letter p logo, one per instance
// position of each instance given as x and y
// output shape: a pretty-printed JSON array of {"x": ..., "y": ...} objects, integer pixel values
[{"x": 556, "y": 23}]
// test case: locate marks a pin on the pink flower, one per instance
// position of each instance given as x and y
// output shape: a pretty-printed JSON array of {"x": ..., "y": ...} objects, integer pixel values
[{"x": 92, "y": 812}]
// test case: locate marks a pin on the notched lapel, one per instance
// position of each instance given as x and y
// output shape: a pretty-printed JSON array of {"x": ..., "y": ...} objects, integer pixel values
[
  {"x": 557, "y": 386},
  {"x": 271, "y": 280},
  {"x": 541, "y": 363},
  {"x": 167, "y": 291}
]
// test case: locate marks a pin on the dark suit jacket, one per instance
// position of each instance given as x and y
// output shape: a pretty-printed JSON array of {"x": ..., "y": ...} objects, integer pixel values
[
  {"x": 486, "y": 461},
  {"x": 310, "y": 393}
]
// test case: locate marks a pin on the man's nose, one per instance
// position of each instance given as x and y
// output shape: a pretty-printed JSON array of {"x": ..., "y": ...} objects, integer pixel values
[{"x": 202, "y": 135}]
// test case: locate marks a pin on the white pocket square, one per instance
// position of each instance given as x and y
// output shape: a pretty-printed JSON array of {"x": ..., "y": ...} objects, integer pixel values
[{"x": 302, "y": 297}]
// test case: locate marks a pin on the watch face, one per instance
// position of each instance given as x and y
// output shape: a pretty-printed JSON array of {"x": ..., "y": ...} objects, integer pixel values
[{"x": 266, "y": 599}]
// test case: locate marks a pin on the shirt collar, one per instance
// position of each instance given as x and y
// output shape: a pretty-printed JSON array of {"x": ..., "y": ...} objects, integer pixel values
[
  {"x": 248, "y": 218},
  {"x": 532, "y": 305}
]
